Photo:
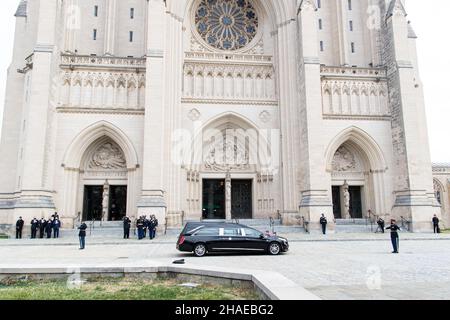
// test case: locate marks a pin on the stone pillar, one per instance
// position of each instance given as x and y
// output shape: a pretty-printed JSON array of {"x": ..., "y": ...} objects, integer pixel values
[
  {"x": 152, "y": 199},
  {"x": 110, "y": 27},
  {"x": 36, "y": 197},
  {"x": 72, "y": 24},
  {"x": 341, "y": 12},
  {"x": 315, "y": 180},
  {"x": 287, "y": 65},
  {"x": 228, "y": 196},
  {"x": 412, "y": 171}
]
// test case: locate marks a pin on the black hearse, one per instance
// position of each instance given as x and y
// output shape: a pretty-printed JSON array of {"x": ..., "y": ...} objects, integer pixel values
[{"x": 207, "y": 237}]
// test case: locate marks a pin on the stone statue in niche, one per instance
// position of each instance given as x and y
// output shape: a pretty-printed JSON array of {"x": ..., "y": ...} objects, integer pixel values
[
  {"x": 343, "y": 160},
  {"x": 108, "y": 156},
  {"x": 346, "y": 195}
]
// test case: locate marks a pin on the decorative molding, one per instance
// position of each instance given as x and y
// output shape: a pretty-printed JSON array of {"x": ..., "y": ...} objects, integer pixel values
[{"x": 117, "y": 111}]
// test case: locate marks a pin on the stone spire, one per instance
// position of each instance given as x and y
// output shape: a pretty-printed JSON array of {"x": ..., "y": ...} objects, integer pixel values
[
  {"x": 396, "y": 7},
  {"x": 22, "y": 9}
]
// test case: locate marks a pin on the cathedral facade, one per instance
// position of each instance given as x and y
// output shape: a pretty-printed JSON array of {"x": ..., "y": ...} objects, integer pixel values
[{"x": 215, "y": 109}]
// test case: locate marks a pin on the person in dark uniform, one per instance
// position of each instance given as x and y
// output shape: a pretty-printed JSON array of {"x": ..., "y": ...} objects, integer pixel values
[
  {"x": 42, "y": 225},
  {"x": 126, "y": 227},
  {"x": 394, "y": 235},
  {"x": 436, "y": 228},
  {"x": 140, "y": 228},
  {"x": 381, "y": 225},
  {"x": 146, "y": 226},
  {"x": 82, "y": 235},
  {"x": 152, "y": 227},
  {"x": 49, "y": 228},
  {"x": 19, "y": 228},
  {"x": 34, "y": 227},
  {"x": 323, "y": 223},
  {"x": 56, "y": 225}
]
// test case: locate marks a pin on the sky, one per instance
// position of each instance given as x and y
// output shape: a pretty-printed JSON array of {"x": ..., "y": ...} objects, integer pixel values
[{"x": 434, "y": 63}]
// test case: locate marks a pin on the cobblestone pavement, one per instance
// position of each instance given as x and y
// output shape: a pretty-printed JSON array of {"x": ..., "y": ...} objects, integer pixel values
[{"x": 345, "y": 267}]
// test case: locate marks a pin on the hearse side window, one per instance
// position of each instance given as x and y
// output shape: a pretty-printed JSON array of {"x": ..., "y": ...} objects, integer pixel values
[
  {"x": 208, "y": 232},
  {"x": 231, "y": 232},
  {"x": 252, "y": 233}
]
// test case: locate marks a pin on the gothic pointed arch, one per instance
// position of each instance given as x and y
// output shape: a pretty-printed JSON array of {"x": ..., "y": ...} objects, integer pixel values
[
  {"x": 362, "y": 141},
  {"x": 85, "y": 139}
]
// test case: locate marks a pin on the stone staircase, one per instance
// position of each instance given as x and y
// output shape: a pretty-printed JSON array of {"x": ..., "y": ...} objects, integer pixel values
[
  {"x": 97, "y": 229},
  {"x": 354, "y": 226}
]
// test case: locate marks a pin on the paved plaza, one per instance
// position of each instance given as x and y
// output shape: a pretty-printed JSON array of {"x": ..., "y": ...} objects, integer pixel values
[{"x": 352, "y": 266}]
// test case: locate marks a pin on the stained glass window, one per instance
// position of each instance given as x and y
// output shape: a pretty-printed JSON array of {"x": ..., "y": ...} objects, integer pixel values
[{"x": 226, "y": 24}]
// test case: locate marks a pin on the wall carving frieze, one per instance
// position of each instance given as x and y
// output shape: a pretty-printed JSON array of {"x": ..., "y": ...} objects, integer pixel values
[{"x": 108, "y": 156}]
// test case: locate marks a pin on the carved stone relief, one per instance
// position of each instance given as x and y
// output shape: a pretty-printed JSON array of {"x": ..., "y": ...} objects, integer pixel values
[{"x": 108, "y": 156}]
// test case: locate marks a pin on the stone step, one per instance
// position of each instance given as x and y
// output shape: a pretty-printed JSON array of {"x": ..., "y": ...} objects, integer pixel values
[
  {"x": 355, "y": 228},
  {"x": 350, "y": 222}
]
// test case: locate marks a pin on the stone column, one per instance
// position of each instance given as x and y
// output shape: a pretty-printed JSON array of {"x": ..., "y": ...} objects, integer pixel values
[
  {"x": 342, "y": 23},
  {"x": 315, "y": 180},
  {"x": 155, "y": 159},
  {"x": 412, "y": 172},
  {"x": 287, "y": 65},
  {"x": 35, "y": 196},
  {"x": 72, "y": 24},
  {"x": 110, "y": 27},
  {"x": 228, "y": 196}
]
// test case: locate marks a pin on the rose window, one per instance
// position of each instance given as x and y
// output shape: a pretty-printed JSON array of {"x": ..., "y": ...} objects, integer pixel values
[{"x": 226, "y": 24}]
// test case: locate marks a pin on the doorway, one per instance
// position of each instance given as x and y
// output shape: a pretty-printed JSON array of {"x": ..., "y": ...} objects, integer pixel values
[
  {"x": 213, "y": 199},
  {"x": 92, "y": 204},
  {"x": 241, "y": 199},
  {"x": 337, "y": 210},
  {"x": 356, "y": 211},
  {"x": 117, "y": 203}
]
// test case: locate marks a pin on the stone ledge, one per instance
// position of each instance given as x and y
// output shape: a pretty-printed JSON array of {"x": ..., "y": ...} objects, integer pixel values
[{"x": 271, "y": 284}]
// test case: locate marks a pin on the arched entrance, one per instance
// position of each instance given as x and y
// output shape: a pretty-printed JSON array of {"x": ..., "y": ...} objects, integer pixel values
[
  {"x": 100, "y": 172},
  {"x": 233, "y": 174},
  {"x": 104, "y": 179},
  {"x": 357, "y": 170}
]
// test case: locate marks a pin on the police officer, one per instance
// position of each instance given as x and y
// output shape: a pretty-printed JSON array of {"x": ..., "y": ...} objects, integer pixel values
[
  {"x": 126, "y": 227},
  {"x": 140, "y": 227},
  {"x": 19, "y": 228},
  {"x": 394, "y": 235},
  {"x": 42, "y": 225},
  {"x": 34, "y": 227},
  {"x": 381, "y": 225},
  {"x": 323, "y": 223},
  {"x": 49, "y": 228},
  {"x": 82, "y": 235},
  {"x": 436, "y": 228},
  {"x": 152, "y": 227},
  {"x": 56, "y": 225},
  {"x": 146, "y": 226}
]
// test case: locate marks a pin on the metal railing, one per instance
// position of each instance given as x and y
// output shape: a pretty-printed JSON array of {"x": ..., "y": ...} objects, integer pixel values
[
  {"x": 305, "y": 224},
  {"x": 405, "y": 224},
  {"x": 272, "y": 224}
]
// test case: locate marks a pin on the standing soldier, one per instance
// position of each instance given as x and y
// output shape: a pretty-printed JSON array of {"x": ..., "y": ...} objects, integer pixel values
[
  {"x": 82, "y": 235},
  {"x": 140, "y": 227},
  {"x": 48, "y": 228},
  {"x": 34, "y": 227},
  {"x": 126, "y": 227},
  {"x": 146, "y": 226},
  {"x": 56, "y": 225},
  {"x": 436, "y": 228},
  {"x": 324, "y": 222},
  {"x": 152, "y": 227},
  {"x": 19, "y": 228},
  {"x": 394, "y": 235},
  {"x": 42, "y": 225}
]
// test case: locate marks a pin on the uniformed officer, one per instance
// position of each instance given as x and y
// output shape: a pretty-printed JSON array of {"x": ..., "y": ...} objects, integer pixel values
[
  {"x": 394, "y": 235},
  {"x": 126, "y": 227},
  {"x": 49, "y": 228},
  {"x": 34, "y": 227},
  {"x": 323, "y": 223},
  {"x": 56, "y": 225},
  {"x": 42, "y": 225},
  {"x": 19, "y": 228},
  {"x": 140, "y": 227},
  {"x": 152, "y": 227},
  {"x": 82, "y": 235},
  {"x": 436, "y": 224}
]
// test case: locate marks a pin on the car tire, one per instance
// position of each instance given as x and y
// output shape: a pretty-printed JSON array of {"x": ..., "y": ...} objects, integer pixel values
[
  {"x": 274, "y": 249},
  {"x": 200, "y": 250}
]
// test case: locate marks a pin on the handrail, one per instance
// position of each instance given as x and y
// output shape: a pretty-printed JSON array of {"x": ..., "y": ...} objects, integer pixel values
[
  {"x": 272, "y": 224},
  {"x": 305, "y": 224},
  {"x": 405, "y": 223}
]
